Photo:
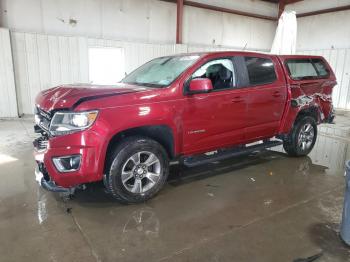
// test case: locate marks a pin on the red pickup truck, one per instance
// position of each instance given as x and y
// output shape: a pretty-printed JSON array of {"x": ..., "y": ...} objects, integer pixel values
[{"x": 195, "y": 108}]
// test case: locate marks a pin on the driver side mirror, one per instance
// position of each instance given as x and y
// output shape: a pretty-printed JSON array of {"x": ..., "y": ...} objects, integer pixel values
[{"x": 200, "y": 85}]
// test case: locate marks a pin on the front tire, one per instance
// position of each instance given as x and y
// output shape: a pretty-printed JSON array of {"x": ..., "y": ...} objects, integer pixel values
[
  {"x": 301, "y": 139},
  {"x": 139, "y": 168}
]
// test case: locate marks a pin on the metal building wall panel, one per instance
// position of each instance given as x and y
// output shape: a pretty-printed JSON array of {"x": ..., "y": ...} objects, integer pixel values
[
  {"x": 339, "y": 59},
  {"x": 64, "y": 53},
  {"x": 21, "y": 72},
  {"x": 83, "y": 59},
  {"x": 32, "y": 67},
  {"x": 180, "y": 49},
  {"x": 146, "y": 20},
  {"x": 201, "y": 48},
  {"x": 43, "y": 57},
  {"x": 8, "y": 103},
  {"x": 45, "y": 61},
  {"x": 54, "y": 60}
]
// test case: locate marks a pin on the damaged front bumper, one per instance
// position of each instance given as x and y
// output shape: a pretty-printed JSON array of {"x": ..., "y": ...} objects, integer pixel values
[{"x": 49, "y": 185}]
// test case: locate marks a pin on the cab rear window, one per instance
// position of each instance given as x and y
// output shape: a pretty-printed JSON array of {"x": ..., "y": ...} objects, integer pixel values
[{"x": 302, "y": 69}]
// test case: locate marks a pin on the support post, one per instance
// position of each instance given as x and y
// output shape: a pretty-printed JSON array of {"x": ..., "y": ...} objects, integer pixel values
[
  {"x": 281, "y": 6},
  {"x": 179, "y": 20}
]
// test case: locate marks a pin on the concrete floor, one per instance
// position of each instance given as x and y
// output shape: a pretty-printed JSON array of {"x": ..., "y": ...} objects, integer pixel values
[{"x": 264, "y": 207}]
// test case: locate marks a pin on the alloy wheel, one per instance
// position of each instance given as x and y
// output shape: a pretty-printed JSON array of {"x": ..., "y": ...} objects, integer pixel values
[
  {"x": 306, "y": 136},
  {"x": 141, "y": 172}
]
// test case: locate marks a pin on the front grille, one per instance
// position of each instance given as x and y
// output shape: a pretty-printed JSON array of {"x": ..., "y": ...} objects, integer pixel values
[
  {"x": 44, "y": 114},
  {"x": 41, "y": 143},
  {"x": 43, "y": 119},
  {"x": 45, "y": 124}
]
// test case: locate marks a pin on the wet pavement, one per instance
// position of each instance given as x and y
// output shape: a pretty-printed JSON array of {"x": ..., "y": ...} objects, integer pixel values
[{"x": 262, "y": 207}]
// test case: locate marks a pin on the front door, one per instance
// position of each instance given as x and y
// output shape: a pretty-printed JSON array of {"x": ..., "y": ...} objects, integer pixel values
[{"x": 216, "y": 119}]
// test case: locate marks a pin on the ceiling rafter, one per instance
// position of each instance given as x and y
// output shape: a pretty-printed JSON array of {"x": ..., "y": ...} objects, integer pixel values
[
  {"x": 223, "y": 9},
  {"x": 281, "y": 3},
  {"x": 325, "y": 11}
]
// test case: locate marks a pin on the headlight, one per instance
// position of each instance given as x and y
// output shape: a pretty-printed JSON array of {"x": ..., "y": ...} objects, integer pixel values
[{"x": 64, "y": 123}]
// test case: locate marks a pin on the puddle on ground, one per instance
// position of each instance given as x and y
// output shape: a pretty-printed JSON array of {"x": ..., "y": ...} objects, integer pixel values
[
  {"x": 329, "y": 152},
  {"x": 198, "y": 206}
]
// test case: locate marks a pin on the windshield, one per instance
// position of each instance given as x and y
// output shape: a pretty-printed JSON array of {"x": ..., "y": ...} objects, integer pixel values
[{"x": 160, "y": 72}]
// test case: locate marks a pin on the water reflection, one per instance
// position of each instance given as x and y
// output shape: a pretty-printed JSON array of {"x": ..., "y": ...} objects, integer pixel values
[
  {"x": 4, "y": 158},
  {"x": 211, "y": 201},
  {"x": 140, "y": 232},
  {"x": 143, "y": 222},
  {"x": 326, "y": 237},
  {"x": 329, "y": 152},
  {"x": 304, "y": 167},
  {"x": 42, "y": 207}
]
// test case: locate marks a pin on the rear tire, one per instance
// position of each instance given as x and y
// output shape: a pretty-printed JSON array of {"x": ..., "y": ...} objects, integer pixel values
[
  {"x": 138, "y": 169},
  {"x": 302, "y": 137}
]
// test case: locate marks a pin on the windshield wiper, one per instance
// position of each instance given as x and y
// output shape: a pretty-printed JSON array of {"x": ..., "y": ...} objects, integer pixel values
[
  {"x": 144, "y": 84},
  {"x": 166, "y": 61},
  {"x": 152, "y": 85}
]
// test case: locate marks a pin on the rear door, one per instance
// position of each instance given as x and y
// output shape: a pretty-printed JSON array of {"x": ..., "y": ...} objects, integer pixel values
[{"x": 267, "y": 95}]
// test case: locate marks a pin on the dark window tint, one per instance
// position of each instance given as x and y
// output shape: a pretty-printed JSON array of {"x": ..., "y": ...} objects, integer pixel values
[
  {"x": 260, "y": 70},
  {"x": 307, "y": 68}
]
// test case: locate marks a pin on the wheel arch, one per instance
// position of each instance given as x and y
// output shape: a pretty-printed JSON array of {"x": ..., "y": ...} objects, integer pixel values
[
  {"x": 163, "y": 134},
  {"x": 292, "y": 140},
  {"x": 312, "y": 111},
  {"x": 293, "y": 115}
]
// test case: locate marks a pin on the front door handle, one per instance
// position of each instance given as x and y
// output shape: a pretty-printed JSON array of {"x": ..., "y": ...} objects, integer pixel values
[
  {"x": 237, "y": 99},
  {"x": 276, "y": 94}
]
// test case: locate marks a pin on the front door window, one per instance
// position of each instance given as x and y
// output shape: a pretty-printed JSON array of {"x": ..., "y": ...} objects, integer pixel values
[{"x": 219, "y": 71}]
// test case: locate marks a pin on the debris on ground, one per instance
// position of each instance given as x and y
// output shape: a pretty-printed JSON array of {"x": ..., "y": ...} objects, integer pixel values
[
  {"x": 309, "y": 259},
  {"x": 268, "y": 202},
  {"x": 210, "y": 185},
  {"x": 69, "y": 210}
]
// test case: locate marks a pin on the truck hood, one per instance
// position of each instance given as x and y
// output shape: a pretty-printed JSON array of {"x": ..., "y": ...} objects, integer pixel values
[{"x": 69, "y": 96}]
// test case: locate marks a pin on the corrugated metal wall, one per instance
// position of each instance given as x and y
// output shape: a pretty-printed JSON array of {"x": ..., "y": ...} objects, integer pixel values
[
  {"x": 8, "y": 104},
  {"x": 44, "y": 61},
  {"x": 339, "y": 59},
  {"x": 148, "y": 21}
]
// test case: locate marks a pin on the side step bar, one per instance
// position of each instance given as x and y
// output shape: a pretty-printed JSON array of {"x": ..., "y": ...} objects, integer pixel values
[{"x": 197, "y": 160}]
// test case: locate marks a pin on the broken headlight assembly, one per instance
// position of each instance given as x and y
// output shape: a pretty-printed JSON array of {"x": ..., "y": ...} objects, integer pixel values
[{"x": 64, "y": 123}]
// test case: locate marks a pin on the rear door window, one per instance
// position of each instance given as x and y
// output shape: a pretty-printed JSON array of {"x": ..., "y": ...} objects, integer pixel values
[
  {"x": 301, "y": 69},
  {"x": 261, "y": 71}
]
